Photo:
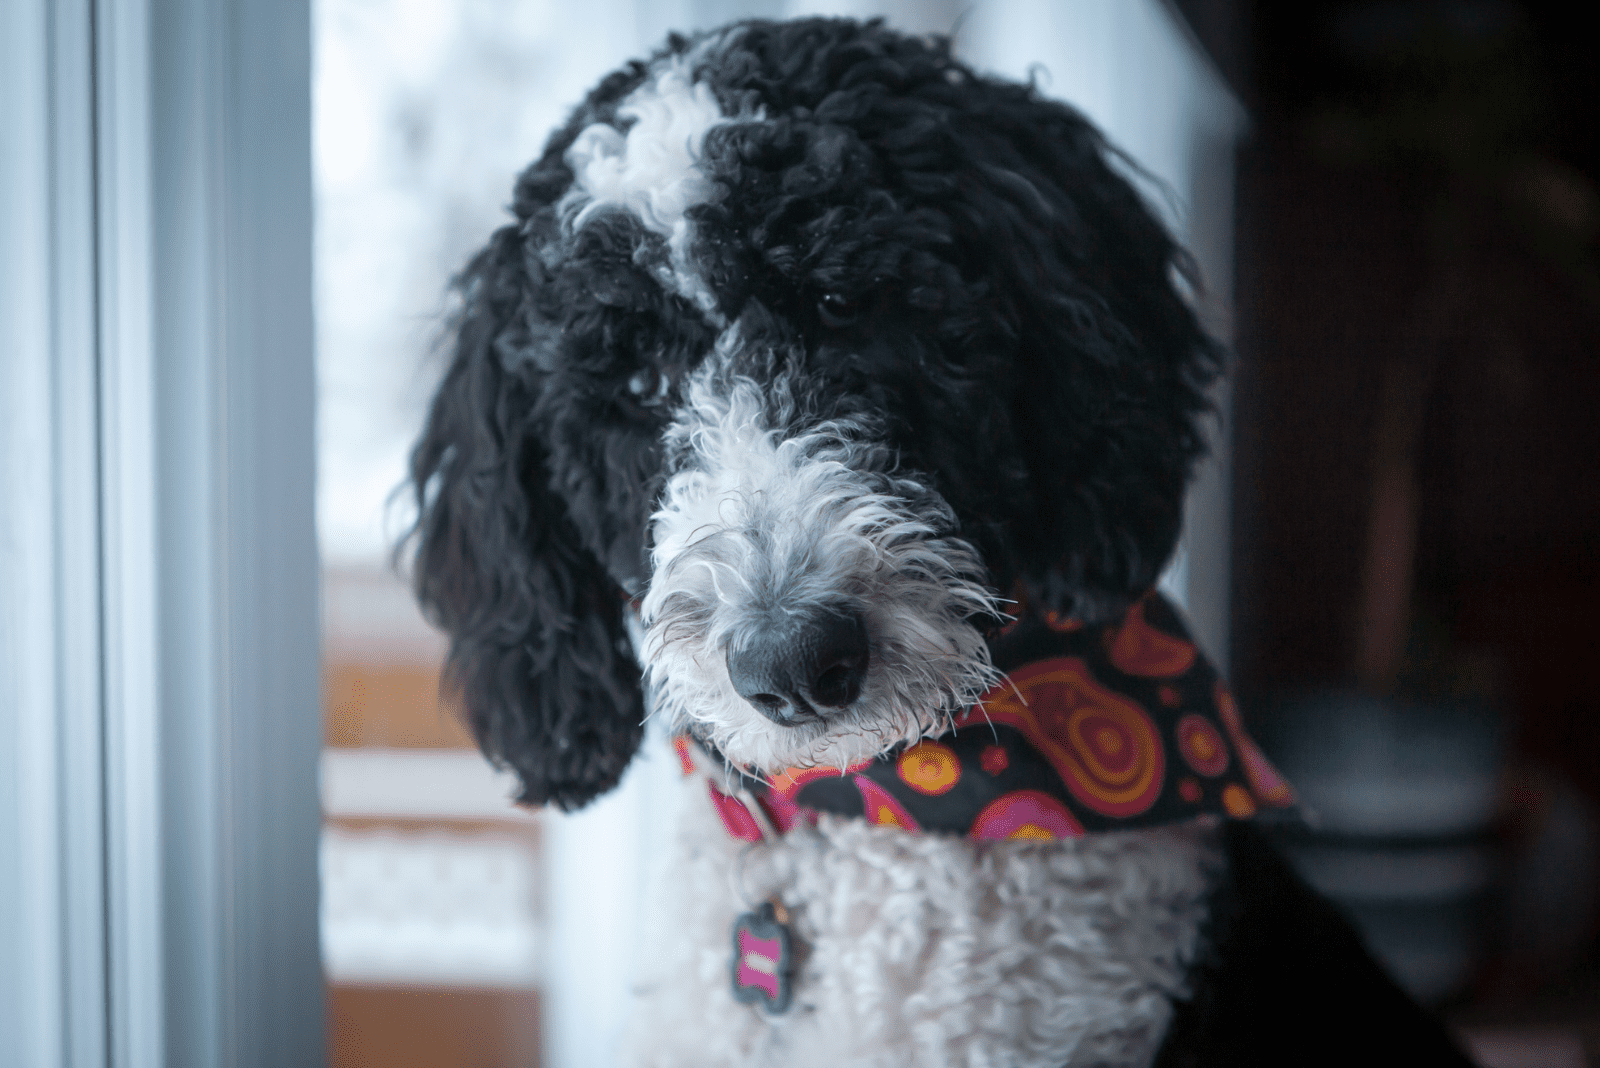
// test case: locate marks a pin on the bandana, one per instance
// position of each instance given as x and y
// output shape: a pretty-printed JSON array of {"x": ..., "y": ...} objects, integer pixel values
[{"x": 1113, "y": 726}]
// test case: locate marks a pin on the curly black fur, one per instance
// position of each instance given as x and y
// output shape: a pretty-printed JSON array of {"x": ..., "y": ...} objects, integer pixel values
[
  {"x": 1281, "y": 963},
  {"x": 954, "y": 256}
]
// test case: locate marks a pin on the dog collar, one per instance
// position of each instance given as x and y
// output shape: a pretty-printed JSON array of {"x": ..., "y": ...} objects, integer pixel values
[{"x": 1113, "y": 726}]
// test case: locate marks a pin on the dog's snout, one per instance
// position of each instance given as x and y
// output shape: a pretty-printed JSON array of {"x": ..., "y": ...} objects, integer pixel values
[{"x": 791, "y": 672}]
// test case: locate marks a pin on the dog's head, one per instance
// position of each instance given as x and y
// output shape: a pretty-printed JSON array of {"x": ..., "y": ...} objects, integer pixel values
[{"x": 811, "y": 344}]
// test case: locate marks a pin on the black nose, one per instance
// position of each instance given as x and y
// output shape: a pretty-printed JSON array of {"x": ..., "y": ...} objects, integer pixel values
[{"x": 805, "y": 663}]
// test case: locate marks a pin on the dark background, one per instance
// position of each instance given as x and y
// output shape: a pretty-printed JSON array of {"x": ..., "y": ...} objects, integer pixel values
[{"x": 1417, "y": 327}]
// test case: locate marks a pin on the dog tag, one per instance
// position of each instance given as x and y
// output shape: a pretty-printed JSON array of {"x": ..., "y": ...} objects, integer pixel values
[{"x": 762, "y": 959}]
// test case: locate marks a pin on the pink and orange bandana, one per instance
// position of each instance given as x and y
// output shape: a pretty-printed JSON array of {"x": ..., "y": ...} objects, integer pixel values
[{"x": 1109, "y": 727}]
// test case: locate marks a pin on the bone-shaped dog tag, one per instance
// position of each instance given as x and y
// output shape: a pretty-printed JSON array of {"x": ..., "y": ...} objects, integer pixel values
[{"x": 762, "y": 959}]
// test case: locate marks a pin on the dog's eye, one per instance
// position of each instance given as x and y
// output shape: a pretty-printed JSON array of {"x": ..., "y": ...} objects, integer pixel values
[
  {"x": 649, "y": 387},
  {"x": 836, "y": 311}
]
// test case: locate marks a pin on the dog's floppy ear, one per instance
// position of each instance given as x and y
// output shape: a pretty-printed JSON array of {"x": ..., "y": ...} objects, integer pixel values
[
  {"x": 1114, "y": 362},
  {"x": 539, "y": 655}
]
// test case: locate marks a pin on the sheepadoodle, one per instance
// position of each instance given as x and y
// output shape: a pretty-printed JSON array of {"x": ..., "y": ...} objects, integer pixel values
[{"x": 836, "y": 403}]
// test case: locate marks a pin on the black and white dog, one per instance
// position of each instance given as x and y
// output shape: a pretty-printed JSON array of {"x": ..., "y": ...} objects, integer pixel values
[{"x": 809, "y": 358}]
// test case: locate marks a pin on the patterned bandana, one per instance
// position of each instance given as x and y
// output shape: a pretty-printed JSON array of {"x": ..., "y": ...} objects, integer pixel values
[{"x": 1096, "y": 728}]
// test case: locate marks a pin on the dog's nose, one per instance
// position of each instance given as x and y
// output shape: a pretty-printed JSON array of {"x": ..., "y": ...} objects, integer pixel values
[{"x": 790, "y": 671}]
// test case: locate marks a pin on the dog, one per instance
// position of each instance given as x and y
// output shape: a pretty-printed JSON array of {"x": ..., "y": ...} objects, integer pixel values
[{"x": 836, "y": 403}]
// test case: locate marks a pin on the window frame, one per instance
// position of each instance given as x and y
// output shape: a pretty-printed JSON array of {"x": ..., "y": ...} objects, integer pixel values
[{"x": 159, "y": 637}]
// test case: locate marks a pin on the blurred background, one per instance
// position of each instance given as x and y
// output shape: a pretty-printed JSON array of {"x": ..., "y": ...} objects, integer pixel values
[
  {"x": 1415, "y": 508},
  {"x": 1395, "y": 550},
  {"x": 1416, "y": 518}
]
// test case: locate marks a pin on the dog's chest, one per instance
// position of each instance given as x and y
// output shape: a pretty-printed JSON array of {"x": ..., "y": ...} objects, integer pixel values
[{"x": 928, "y": 950}]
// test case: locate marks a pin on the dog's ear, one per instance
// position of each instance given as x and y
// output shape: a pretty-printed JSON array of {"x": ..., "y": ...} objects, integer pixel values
[
  {"x": 539, "y": 656},
  {"x": 1113, "y": 363}
]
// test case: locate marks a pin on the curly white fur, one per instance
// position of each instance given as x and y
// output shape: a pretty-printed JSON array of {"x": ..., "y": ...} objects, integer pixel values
[
  {"x": 653, "y": 170},
  {"x": 928, "y": 950},
  {"x": 757, "y": 523}
]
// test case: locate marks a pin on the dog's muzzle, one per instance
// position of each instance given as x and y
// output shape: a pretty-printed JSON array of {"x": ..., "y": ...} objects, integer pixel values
[
  {"x": 807, "y": 603},
  {"x": 796, "y": 667}
]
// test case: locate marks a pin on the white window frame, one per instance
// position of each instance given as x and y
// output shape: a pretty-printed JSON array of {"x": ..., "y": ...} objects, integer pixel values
[{"x": 159, "y": 661}]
